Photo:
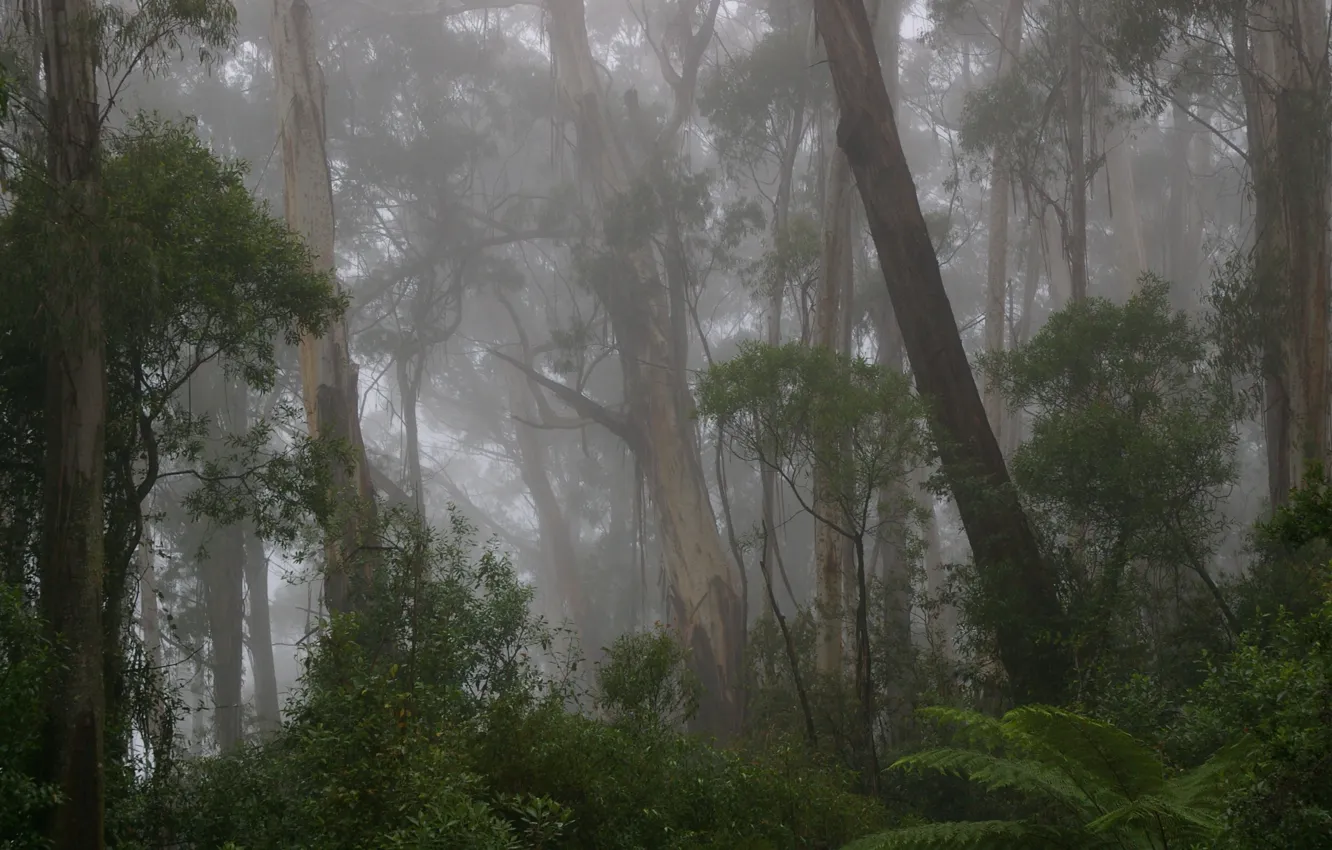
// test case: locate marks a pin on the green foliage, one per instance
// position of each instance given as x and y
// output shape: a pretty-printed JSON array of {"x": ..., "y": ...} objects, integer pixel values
[
  {"x": 1131, "y": 448},
  {"x": 439, "y": 720},
  {"x": 24, "y": 665},
  {"x": 195, "y": 273},
  {"x": 645, "y": 680},
  {"x": 1073, "y": 783},
  {"x": 1275, "y": 691},
  {"x": 1292, "y": 551},
  {"x": 797, "y": 409}
]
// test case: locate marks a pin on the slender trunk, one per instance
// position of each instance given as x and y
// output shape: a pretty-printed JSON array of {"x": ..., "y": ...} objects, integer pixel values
[
  {"x": 1124, "y": 217},
  {"x": 72, "y": 556},
  {"x": 1031, "y": 278},
  {"x": 154, "y": 743},
  {"x": 268, "y": 715},
  {"x": 1013, "y": 570},
  {"x": 1077, "y": 160},
  {"x": 1183, "y": 238},
  {"x": 864, "y": 669},
  {"x": 1057, "y": 269},
  {"x": 328, "y": 376},
  {"x": 411, "y": 367},
  {"x": 224, "y": 603},
  {"x": 827, "y": 542},
  {"x": 996, "y": 267},
  {"x": 941, "y": 622},
  {"x": 781, "y": 219},
  {"x": 553, "y": 526}
]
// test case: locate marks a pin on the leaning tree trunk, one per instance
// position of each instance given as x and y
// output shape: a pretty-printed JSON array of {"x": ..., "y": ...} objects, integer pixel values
[
  {"x": 72, "y": 558},
  {"x": 707, "y": 608},
  {"x": 1012, "y": 569},
  {"x": 328, "y": 377}
]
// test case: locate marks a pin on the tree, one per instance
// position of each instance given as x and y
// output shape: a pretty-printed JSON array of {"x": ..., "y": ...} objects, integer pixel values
[
  {"x": 1010, "y": 562},
  {"x": 648, "y": 314},
  {"x": 848, "y": 427},
  {"x": 72, "y": 560},
  {"x": 328, "y": 376}
]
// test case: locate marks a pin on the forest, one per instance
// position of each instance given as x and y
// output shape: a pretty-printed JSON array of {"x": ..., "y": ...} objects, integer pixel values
[{"x": 665, "y": 424}]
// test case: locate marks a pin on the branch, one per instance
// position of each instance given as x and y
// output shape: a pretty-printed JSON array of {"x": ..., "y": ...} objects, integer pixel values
[{"x": 581, "y": 404}]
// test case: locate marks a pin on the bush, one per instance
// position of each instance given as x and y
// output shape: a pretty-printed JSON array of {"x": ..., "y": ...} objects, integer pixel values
[{"x": 429, "y": 722}]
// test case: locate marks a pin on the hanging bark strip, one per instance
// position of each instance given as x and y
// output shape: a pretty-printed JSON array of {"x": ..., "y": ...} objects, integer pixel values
[
  {"x": 328, "y": 377},
  {"x": 1012, "y": 570}
]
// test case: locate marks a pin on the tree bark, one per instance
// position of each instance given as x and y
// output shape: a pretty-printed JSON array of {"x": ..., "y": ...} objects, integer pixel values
[
  {"x": 828, "y": 548},
  {"x": 996, "y": 266},
  {"x": 72, "y": 557},
  {"x": 1077, "y": 159},
  {"x": 223, "y": 571},
  {"x": 268, "y": 713},
  {"x": 706, "y": 599},
  {"x": 552, "y": 524},
  {"x": 328, "y": 376},
  {"x": 1124, "y": 215},
  {"x": 1013, "y": 571}
]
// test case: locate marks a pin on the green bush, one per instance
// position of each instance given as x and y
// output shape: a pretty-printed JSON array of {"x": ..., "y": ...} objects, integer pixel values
[{"x": 428, "y": 722}]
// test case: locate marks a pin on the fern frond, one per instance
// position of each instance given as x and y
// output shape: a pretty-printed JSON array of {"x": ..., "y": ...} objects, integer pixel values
[
  {"x": 980, "y": 835},
  {"x": 1032, "y": 778},
  {"x": 1112, "y": 757},
  {"x": 1204, "y": 786},
  {"x": 1158, "y": 815},
  {"x": 968, "y": 728}
]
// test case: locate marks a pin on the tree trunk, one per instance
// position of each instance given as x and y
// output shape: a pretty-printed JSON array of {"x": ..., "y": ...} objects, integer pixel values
[
  {"x": 1124, "y": 202},
  {"x": 223, "y": 571},
  {"x": 1053, "y": 250},
  {"x": 328, "y": 377},
  {"x": 268, "y": 714},
  {"x": 1031, "y": 277},
  {"x": 553, "y": 526},
  {"x": 706, "y": 583},
  {"x": 828, "y": 549},
  {"x": 1077, "y": 159},
  {"x": 411, "y": 368},
  {"x": 1013, "y": 571},
  {"x": 72, "y": 557},
  {"x": 1303, "y": 149},
  {"x": 996, "y": 266},
  {"x": 154, "y": 743}
]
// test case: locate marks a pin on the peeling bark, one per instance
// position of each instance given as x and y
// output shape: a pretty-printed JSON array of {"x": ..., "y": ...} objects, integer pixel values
[
  {"x": 328, "y": 376},
  {"x": 706, "y": 606}
]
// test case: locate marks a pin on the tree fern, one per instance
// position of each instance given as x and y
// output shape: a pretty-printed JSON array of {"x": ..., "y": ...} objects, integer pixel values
[{"x": 1089, "y": 785}]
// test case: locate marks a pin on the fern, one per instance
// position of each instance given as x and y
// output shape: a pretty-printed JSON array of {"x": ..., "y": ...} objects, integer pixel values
[{"x": 1093, "y": 785}]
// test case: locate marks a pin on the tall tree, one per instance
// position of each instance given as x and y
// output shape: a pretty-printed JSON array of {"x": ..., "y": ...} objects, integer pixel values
[
  {"x": 996, "y": 264},
  {"x": 328, "y": 376},
  {"x": 644, "y": 314},
  {"x": 1012, "y": 569},
  {"x": 72, "y": 555}
]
